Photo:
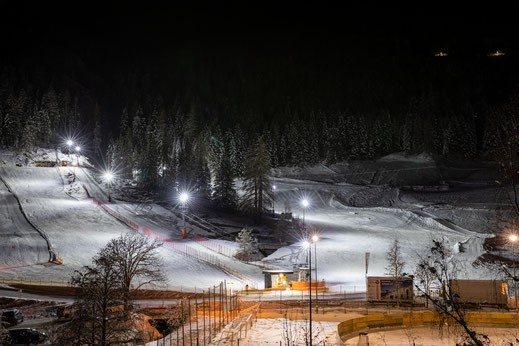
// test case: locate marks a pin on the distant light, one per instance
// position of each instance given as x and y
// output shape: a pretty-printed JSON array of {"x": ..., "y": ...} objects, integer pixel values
[
  {"x": 306, "y": 244},
  {"x": 305, "y": 203},
  {"x": 440, "y": 54},
  {"x": 315, "y": 238},
  {"x": 69, "y": 143},
  {"x": 496, "y": 53},
  {"x": 108, "y": 176},
  {"x": 273, "y": 187},
  {"x": 513, "y": 237},
  {"x": 184, "y": 197},
  {"x": 78, "y": 148}
]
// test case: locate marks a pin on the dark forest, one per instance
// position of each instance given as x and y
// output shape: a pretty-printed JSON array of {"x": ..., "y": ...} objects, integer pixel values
[{"x": 177, "y": 106}]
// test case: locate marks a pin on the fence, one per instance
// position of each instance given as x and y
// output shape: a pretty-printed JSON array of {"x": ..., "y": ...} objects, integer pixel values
[
  {"x": 197, "y": 321},
  {"x": 116, "y": 215},
  {"x": 54, "y": 283},
  {"x": 215, "y": 246}
]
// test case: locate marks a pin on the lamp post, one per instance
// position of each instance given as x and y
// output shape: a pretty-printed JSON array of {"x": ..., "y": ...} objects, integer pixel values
[
  {"x": 315, "y": 239},
  {"x": 184, "y": 197},
  {"x": 304, "y": 203},
  {"x": 513, "y": 238},
  {"x": 307, "y": 244},
  {"x": 273, "y": 200},
  {"x": 78, "y": 149},
  {"x": 108, "y": 178},
  {"x": 69, "y": 145}
]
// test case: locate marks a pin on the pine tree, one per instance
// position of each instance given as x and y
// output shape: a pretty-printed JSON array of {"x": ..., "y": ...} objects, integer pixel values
[
  {"x": 407, "y": 140},
  {"x": 216, "y": 148},
  {"x": 310, "y": 145},
  {"x": 51, "y": 104},
  {"x": 149, "y": 160},
  {"x": 29, "y": 134},
  {"x": 12, "y": 123},
  {"x": 365, "y": 147},
  {"x": 283, "y": 150},
  {"x": 224, "y": 194},
  {"x": 248, "y": 245},
  {"x": 97, "y": 138},
  {"x": 44, "y": 128},
  {"x": 203, "y": 179},
  {"x": 330, "y": 142},
  {"x": 257, "y": 190}
]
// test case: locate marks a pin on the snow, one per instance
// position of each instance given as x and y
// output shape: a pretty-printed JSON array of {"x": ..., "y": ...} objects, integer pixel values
[
  {"x": 77, "y": 228},
  {"x": 273, "y": 331},
  {"x": 351, "y": 219}
]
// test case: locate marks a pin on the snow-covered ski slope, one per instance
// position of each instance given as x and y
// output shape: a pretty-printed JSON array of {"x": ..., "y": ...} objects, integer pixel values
[
  {"x": 348, "y": 233},
  {"x": 77, "y": 228}
]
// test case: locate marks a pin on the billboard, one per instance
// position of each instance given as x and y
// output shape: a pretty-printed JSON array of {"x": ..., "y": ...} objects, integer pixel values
[{"x": 388, "y": 288}]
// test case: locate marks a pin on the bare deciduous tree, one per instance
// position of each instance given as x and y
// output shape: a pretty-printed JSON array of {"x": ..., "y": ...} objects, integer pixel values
[
  {"x": 134, "y": 256},
  {"x": 442, "y": 268},
  {"x": 396, "y": 264},
  {"x": 395, "y": 267},
  {"x": 102, "y": 315},
  {"x": 99, "y": 304},
  {"x": 425, "y": 276}
]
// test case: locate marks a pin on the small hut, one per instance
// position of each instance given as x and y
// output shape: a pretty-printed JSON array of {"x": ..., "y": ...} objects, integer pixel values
[{"x": 276, "y": 278}]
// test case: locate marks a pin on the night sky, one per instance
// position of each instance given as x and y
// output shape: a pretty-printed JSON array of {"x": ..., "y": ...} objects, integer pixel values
[
  {"x": 342, "y": 50},
  {"x": 121, "y": 31}
]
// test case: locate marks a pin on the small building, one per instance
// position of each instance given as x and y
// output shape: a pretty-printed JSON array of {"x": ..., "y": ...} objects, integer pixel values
[
  {"x": 491, "y": 292},
  {"x": 381, "y": 288},
  {"x": 276, "y": 278}
]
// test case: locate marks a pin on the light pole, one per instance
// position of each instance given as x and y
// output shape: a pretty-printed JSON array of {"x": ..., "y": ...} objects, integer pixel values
[
  {"x": 78, "y": 149},
  {"x": 69, "y": 145},
  {"x": 307, "y": 244},
  {"x": 315, "y": 239},
  {"x": 184, "y": 197},
  {"x": 304, "y": 203},
  {"x": 108, "y": 178},
  {"x": 273, "y": 200},
  {"x": 513, "y": 238}
]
